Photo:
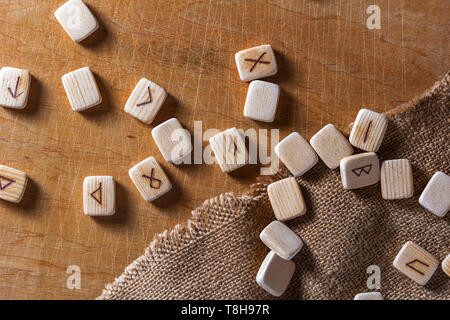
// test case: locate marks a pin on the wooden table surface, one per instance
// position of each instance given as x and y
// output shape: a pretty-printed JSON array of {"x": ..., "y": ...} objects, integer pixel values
[{"x": 330, "y": 64}]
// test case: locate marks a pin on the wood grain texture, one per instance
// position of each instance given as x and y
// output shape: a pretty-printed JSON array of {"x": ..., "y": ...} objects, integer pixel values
[
  {"x": 296, "y": 154},
  {"x": 286, "y": 199},
  {"x": 416, "y": 263},
  {"x": 282, "y": 240},
  {"x": 331, "y": 146},
  {"x": 14, "y": 87},
  {"x": 229, "y": 149},
  {"x": 150, "y": 179},
  {"x": 99, "y": 196},
  {"x": 173, "y": 141},
  {"x": 368, "y": 130},
  {"x": 435, "y": 197},
  {"x": 329, "y": 65},
  {"x": 145, "y": 101},
  {"x": 81, "y": 89},
  {"x": 13, "y": 183},
  {"x": 445, "y": 265},
  {"x": 396, "y": 179},
  {"x": 275, "y": 274},
  {"x": 76, "y": 19}
]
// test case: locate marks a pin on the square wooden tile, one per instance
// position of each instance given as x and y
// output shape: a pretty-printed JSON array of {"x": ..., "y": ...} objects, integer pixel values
[
  {"x": 173, "y": 141},
  {"x": 145, "y": 101},
  {"x": 296, "y": 154},
  {"x": 12, "y": 184},
  {"x": 275, "y": 274},
  {"x": 396, "y": 179},
  {"x": 436, "y": 195},
  {"x": 282, "y": 240},
  {"x": 416, "y": 263},
  {"x": 14, "y": 87},
  {"x": 81, "y": 89},
  {"x": 368, "y": 130},
  {"x": 150, "y": 179},
  {"x": 257, "y": 62},
  {"x": 331, "y": 146},
  {"x": 360, "y": 170},
  {"x": 446, "y": 265},
  {"x": 76, "y": 19},
  {"x": 229, "y": 149},
  {"x": 99, "y": 197},
  {"x": 368, "y": 296},
  {"x": 262, "y": 100},
  {"x": 286, "y": 199}
]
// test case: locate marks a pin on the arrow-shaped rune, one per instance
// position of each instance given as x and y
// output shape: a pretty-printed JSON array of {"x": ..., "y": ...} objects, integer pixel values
[
  {"x": 10, "y": 181},
  {"x": 234, "y": 145},
  {"x": 98, "y": 190},
  {"x": 409, "y": 264},
  {"x": 152, "y": 178},
  {"x": 146, "y": 102},
  {"x": 15, "y": 95}
]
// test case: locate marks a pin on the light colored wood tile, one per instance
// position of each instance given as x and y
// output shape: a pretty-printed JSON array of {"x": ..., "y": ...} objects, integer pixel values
[
  {"x": 145, "y": 101},
  {"x": 76, "y": 19},
  {"x": 262, "y": 101},
  {"x": 99, "y": 196},
  {"x": 173, "y": 141},
  {"x": 275, "y": 274},
  {"x": 282, "y": 240},
  {"x": 14, "y": 87},
  {"x": 296, "y": 154},
  {"x": 360, "y": 170},
  {"x": 331, "y": 146},
  {"x": 396, "y": 179},
  {"x": 12, "y": 184},
  {"x": 436, "y": 195},
  {"x": 416, "y": 263},
  {"x": 368, "y": 130},
  {"x": 81, "y": 89},
  {"x": 229, "y": 149},
  {"x": 368, "y": 296},
  {"x": 255, "y": 63},
  {"x": 446, "y": 265},
  {"x": 150, "y": 179},
  {"x": 286, "y": 199}
]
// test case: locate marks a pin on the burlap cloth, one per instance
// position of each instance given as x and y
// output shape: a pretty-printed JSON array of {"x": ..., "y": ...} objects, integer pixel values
[{"x": 218, "y": 254}]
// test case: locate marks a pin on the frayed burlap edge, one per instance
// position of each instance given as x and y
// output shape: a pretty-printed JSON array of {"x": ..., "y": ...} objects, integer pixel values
[{"x": 222, "y": 210}]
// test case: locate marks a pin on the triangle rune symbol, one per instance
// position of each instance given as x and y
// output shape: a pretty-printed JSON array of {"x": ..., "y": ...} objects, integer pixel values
[
  {"x": 360, "y": 170},
  {"x": 10, "y": 181},
  {"x": 99, "y": 191}
]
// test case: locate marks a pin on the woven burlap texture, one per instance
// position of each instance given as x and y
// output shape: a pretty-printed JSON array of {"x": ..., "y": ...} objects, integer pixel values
[{"x": 217, "y": 255}]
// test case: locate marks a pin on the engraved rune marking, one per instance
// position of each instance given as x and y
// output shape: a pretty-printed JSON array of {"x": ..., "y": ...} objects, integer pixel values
[
  {"x": 233, "y": 144},
  {"x": 360, "y": 170},
  {"x": 367, "y": 132},
  {"x": 15, "y": 95},
  {"x": 10, "y": 181},
  {"x": 146, "y": 102},
  {"x": 409, "y": 264},
  {"x": 99, "y": 191},
  {"x": 257, "y": 61},
  {"x": 152, "y": 179}
]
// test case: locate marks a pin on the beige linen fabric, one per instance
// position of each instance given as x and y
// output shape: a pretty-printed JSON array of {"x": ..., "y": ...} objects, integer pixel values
[{"x": 218, "y": 254}]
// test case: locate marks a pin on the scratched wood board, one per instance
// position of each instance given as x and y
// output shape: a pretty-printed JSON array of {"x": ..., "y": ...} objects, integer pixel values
[{"x": 330, "y": 64}]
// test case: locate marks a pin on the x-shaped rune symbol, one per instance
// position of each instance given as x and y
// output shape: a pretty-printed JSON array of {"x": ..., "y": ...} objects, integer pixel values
[
  {"x": 152, "y": 178},
  {"x": 146, "y": 102},
  {"x": 257, "y": 61}
]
